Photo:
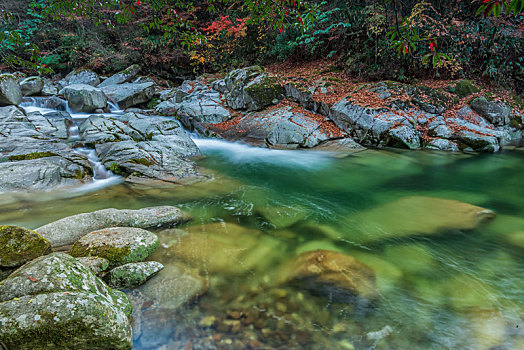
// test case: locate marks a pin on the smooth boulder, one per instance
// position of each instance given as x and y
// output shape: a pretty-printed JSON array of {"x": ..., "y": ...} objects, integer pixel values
[
  {"x": 132, "y": 275},
  {"x": 497, "y": 113},
  {"x": 19, "y": 245},
  {"x": 338, "y": 276},
  {"x": 10, "y": 91},
  {"x": 94, "y": 263},
  {"x": 415, "y": 215},
  {"x": 122, "y": 77},
  {"x": 119, "y": 245},
  {"x": 84, "y": 98},
  {"x": 129, "y": 94},
  {"x": 32, "y": 86},
  {"x": 70, "y": 229},
  {"x": 83, "y": 76},
  {"x": 54, "y": 302}
]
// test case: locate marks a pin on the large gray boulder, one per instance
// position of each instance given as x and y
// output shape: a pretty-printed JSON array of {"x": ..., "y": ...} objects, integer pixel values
[
  {"x": 40, "y": 174},
  {"x": 250, "y": 89},
  {"x": 10, "y": 92},
  {"x": 84, "y": 98},
  {"x": 122, "y": 77},
  {"x": 497, "y": 113},
  {"x": 281, "y": 127},
  {"x": 70, "y": 229},
  {"x": 19, "y": 245},
  {"x": 32, "y": 86},
  {"x": 83, "y": 76},
  {"x": 55, "y": 302},
  {"x": 143, "y": 148},
  {"x": 129, "y": 94},
  {"x": 375, "y": 126},
  {"x": 119, "y": 245}
]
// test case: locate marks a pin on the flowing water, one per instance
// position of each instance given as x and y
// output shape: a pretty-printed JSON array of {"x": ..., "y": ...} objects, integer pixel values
[{"x": 447, "y": 290}]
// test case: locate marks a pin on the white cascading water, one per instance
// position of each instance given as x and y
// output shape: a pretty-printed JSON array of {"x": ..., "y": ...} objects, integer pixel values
[{"x": 102, "y": 177}]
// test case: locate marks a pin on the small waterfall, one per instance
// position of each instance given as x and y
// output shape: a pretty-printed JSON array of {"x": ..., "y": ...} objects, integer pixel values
[{"x": 101, "y": 176}]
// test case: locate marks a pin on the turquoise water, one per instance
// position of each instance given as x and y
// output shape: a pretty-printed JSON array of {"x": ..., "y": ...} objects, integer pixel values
[{"x": 452, "y": 289}]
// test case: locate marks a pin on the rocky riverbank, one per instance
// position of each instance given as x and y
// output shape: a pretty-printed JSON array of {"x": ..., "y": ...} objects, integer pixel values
[{"x": 145, "y": 143}]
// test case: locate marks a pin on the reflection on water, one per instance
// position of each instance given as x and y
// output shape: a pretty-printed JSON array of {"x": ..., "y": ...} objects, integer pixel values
[{"x": 451, "y": 287}]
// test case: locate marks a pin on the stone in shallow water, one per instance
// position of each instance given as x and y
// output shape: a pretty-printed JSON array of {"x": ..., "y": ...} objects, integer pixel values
[
  {"x": 119, "y": 245},
  {"x": 54, "y": 302},
  {"x": 94, "y": 263},
  {"x": 337, "y": 276},
  {"x": 70, "y": 229},
  {"x": 411, "y": 258},
  {"x": 516, "y": 239},
  {"x": 19, "y": 245},
  {"x": 224, "y": 248},
  {"x": 132, "y": 275},
  {"x": 487, "y": 329},
  {"x": 411, "y": 216},
  {"x": 175, "y": 285}
]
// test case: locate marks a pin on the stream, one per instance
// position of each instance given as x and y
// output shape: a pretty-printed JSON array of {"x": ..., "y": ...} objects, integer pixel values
[{"x": 452, "y": 290}]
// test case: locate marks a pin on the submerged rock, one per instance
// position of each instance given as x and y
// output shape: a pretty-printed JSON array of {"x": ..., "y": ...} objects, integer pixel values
[
  {"x": 119, "y": 245},
  {"x": 54, "y": 302},
  {"x": 411, "y": 216},
  {"x": 337, "y": 276},
  {"x": 32, "y": 86},
  {"x": 10, "y": 92},
  {"x": 19, "y": 245},
  {"x": 70, "y": 229},
  {"x": 516, "y": 239},
  {"x": 222, "y": 248},
  {"x": 132, "y": 275},
  {"x": 175, "y": 285}
]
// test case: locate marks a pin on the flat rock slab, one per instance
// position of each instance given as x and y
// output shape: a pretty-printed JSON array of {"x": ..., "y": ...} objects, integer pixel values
[
  {"x": 68, "y": 230},
  {"x": 119, "y": 245}
]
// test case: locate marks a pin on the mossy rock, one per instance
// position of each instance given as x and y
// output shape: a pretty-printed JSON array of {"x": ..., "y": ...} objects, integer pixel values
[
  {"x": 94, "y": 263},
  {"x": 132, "y": 275},
  {"x": 119, "y": 245},
  {"x": 263, "y": 91},
  {"x": 464, "y": 88},
  {"x": 19, "y": 245},
  {"x": 31, "y": 156}
]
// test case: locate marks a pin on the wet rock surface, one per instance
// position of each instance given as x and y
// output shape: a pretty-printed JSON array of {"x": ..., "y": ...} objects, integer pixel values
[
  {"x": 70, "y": 229},
  {"x": 32, "y": 86},
  {"x": 56, "y": 302},
  {"x": 142, "y": 148}
]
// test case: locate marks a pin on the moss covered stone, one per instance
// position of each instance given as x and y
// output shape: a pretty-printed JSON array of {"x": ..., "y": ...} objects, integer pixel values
[
  {"x": 55, "y": 302},
  {"x": 119, "y": 245},
  {"x": 34, "y": 155},
  {"x": 19, "y": 245},
  {"x": 464, "y": 88},
  {"x": 132, "y": 275}
]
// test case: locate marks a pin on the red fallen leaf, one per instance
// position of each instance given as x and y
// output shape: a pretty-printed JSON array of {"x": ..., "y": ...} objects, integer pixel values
[{"x": 32, "y": 279}]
